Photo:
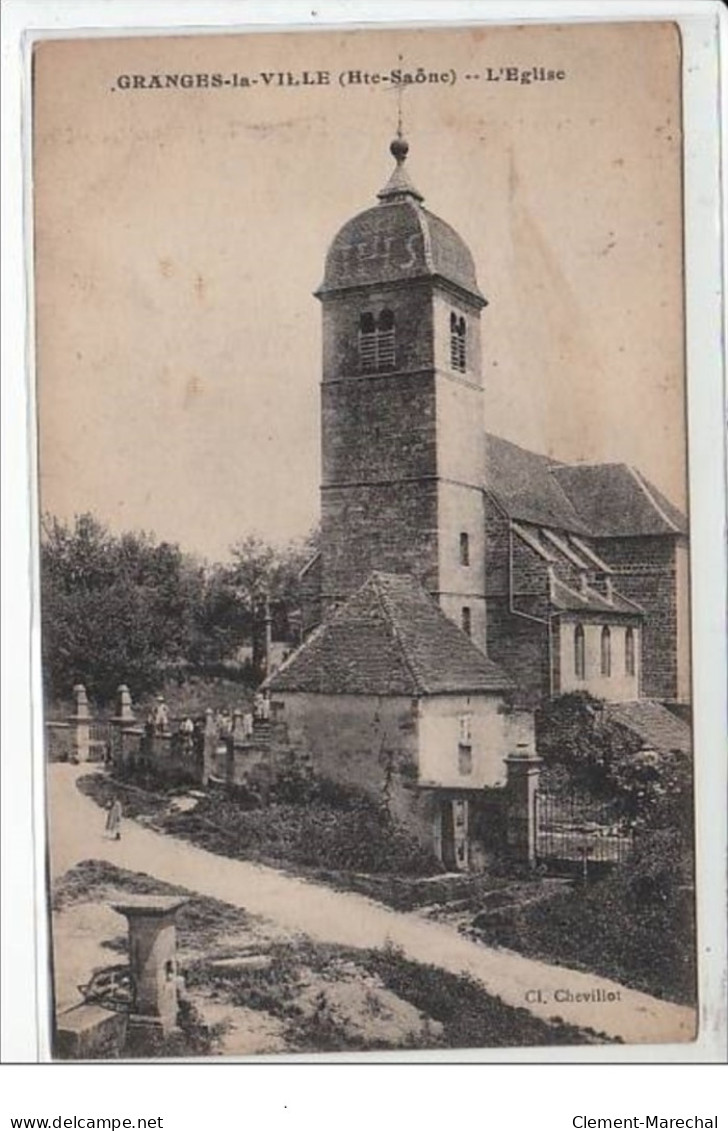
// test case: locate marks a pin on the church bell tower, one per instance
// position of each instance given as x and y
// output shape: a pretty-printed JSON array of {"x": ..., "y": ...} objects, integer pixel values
[{"x": 402, "y": 405}]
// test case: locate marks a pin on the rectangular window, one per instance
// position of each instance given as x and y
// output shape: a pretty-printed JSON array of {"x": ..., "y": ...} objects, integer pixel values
[
  {"x": 464, "y": 549},
  {"x": 465, "y": 727},
  {"x": 465, "y": 620},
  {"x": 465, "y": 759}
]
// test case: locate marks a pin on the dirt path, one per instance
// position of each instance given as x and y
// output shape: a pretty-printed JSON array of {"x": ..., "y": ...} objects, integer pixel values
[{"x": 353, "y": 920}]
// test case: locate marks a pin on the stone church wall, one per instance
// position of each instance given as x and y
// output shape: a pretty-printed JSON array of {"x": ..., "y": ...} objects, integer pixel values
[{"x": 645, "y": 570}]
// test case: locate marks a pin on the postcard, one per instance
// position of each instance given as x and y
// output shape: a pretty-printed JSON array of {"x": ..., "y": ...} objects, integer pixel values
[{"x": 365, "y": 542}]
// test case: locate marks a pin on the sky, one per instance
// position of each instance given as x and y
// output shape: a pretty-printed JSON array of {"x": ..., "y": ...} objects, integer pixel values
[{"x": 180, "y": 234}]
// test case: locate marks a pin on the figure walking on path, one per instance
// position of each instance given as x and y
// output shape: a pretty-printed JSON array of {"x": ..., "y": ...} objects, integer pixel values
[{"x": 113, "y": 820}]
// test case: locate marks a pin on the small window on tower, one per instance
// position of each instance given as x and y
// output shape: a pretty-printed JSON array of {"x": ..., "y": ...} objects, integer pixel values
[
  {"x": 465, "y": 623},
  {"x": 464, "y": 549},
  {"x": 458, "y": 332}
]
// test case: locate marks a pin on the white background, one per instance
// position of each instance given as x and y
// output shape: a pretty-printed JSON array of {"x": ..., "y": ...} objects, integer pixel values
[{"x": 323, "y": 1096}]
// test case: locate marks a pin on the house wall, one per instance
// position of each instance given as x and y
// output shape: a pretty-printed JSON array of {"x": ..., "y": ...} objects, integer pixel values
[
  {"x": 646, "y": 570},
  {"x": 403, "y": 752},
  {"x": 619, "y": 686},
  {"x": 356, "y": 740},
  {"x": 439, "y": 724}
]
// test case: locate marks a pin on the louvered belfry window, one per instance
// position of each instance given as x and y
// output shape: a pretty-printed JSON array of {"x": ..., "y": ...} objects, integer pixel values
[
  {"x": 377, "y": 341},
  {"x": 458, "y": 337}
]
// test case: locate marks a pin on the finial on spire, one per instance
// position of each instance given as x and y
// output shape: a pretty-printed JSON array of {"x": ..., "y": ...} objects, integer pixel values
[{"x": 399, "y": 148}]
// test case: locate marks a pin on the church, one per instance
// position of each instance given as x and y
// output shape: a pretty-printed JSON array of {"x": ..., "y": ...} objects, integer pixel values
[{"x": 461, "y": 579}]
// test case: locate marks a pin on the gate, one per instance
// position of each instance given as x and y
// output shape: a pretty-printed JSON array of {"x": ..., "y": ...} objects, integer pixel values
[
  {"x": 99, "y": 742},
  {"x": 573, "y": 828}
]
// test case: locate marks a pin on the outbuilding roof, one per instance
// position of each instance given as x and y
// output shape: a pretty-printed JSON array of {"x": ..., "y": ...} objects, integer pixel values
[
  {"x": 658, "y": 727},
  {"x": 389, "y": 638}
]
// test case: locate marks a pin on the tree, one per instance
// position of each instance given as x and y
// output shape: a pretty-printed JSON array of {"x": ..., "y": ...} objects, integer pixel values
[
  {"x": 653, "y": 789},
  {"x": 573, "y": 731},
  {"x": 264, "y": 577},
  {"x": 114, "y": 608}
]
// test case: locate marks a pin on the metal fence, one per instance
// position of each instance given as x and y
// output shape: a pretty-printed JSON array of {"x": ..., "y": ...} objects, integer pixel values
[{"x": 574, "y": 828}]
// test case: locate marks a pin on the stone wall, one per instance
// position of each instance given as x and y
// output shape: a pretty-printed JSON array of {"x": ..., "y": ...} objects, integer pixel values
[
  {"x": 645, "y": 570},
  {"x": 521, "y": 646}
]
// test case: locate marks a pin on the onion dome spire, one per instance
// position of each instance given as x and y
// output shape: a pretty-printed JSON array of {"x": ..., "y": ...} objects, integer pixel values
[{"x": 399, "y": 186}]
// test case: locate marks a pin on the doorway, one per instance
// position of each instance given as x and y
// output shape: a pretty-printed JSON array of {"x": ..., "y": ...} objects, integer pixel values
[{"x": 454, "y": 848}]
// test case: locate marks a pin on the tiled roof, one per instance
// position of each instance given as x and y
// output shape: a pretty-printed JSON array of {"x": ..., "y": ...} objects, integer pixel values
[
  {"x": 521, "y": 482},
  {"x": 590, "y": 601},
  {"x": 599, "y": 500},
  {"x": 389, "y": 638},
  {"x": 652, "y": 722},
  {"x": 614, "y": 499}
]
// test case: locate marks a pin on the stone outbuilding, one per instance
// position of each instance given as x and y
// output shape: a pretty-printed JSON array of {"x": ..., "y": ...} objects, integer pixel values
[{"x": 390, "y": 697}]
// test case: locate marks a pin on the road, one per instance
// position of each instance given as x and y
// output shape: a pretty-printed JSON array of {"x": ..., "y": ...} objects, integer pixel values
[{"x": 348, "y": 919}]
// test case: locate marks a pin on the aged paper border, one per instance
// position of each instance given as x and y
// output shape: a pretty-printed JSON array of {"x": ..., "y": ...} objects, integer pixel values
[{"x": 24, "y": 804}]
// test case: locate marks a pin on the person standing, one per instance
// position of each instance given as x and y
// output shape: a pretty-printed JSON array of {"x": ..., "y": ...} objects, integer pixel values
[{"x": 113, "y": 820}]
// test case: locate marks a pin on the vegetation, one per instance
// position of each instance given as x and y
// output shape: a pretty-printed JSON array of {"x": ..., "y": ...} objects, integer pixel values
[
  {"x": 128, "y": 609},
  {"x": 584, "y": 749},
  {"x": 323, "y": 997},
  {"x": 332, "y": 825},
  {"x": 636, "y": 923}
]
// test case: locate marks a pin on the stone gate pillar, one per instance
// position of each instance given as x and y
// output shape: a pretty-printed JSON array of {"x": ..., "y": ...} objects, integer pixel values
[
  {"x": 80, "y": 722},
  {"x": 123, "y": 718},
  {"x": 209, "y": 757},
  {"x": 523, "y": 770},
  {"x": 152, "y": 961}
]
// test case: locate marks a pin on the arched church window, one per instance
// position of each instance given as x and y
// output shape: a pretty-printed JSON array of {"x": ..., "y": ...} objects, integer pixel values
[
  {"x": 629, "y": 652},
  {"x": 606, "y": 651},
  {"x": 579, "y": 654},
  {"x": 376, "y": 341},
  {"x": 458, "y": 334},
  {"x": 465, "y": 621},
  {"x": 464, "y": 549}
]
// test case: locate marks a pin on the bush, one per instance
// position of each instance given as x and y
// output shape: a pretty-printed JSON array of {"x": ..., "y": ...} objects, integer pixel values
[
  {"x": 337, "y": 828},
  {"x": 636, "y": 925}
]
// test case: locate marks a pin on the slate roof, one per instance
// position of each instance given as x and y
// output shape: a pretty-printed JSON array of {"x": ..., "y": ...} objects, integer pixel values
[
  {"x": 523, "y": 485},
  {"x": 603, "y": 500},
  {"x": 389, "y": 638},
  {"x": 614, "y": 499},
  {"x": 651, "y": 721}
]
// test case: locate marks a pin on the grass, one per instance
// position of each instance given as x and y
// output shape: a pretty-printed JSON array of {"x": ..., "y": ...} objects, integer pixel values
[{"x": 455, "y": 1012}]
